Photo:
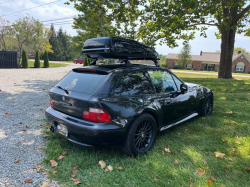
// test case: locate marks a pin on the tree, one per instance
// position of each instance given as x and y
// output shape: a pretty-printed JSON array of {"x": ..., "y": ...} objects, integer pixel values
[
  {"x": 184, "y": 57},
  {"x": 46, "y": 60},
  {"x": 24, "y": 59},
  {"x": 243, "y": 50},
  {"x": 22, "y": 30},
  {"x": 163, "y": 60},
  {"x": 37, "y": 60},
  {"x": 168, "y": 21},
  {"x": 4, "y": 33}
]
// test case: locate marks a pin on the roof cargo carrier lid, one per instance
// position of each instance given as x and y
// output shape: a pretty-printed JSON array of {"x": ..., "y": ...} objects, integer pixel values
[{"x": 119, "y": 48}]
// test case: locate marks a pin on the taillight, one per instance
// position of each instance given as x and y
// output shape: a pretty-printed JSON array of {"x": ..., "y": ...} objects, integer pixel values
[
  {"x": 96, "y": 115},
  {"x": 51, "y": 103}
]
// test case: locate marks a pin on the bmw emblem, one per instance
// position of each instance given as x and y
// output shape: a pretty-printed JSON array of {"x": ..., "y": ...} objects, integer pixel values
[{"x": 63, "y": 98}]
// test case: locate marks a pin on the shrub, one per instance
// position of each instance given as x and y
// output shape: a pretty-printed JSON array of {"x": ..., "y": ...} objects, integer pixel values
[
  {"x": 46, "y": 60},
  {"x": 85, "y": 62},
  {"x": 37, "y": 60},
  {"x": 176, "y": 67},
  {"x": 249, "y": 72},
  {"x": 24, "y": 60}
]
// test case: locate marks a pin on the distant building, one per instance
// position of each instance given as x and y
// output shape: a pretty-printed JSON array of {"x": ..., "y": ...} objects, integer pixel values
[{"x": 210, "y": 62}]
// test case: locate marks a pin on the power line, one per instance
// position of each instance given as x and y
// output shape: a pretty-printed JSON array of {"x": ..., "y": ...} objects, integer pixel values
[
  {"x": 57, "y": 19},
  {"x": 59, "y": 22},
  {"x": 5, "y": 2},
  {"x": 30, "y": 8}
]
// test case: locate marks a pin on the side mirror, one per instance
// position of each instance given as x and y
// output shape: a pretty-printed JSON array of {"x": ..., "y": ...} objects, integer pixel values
[{"x": 183, "y": 88}]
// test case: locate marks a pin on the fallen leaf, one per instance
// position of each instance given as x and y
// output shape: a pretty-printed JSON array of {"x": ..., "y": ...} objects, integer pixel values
[
  {"x": 34, "y": 167},
  {"x": 226, "y": 167},
  {"x": 40, "y": 169},
  {"x": 46, "y": 173},
  {"x": 77, "y": 181},
  {"x": 7, "y": 113},
  {"x": 42, "y": 125},
  {"x": 45, "y": 135},
  {"x": 120, "y": 168},
  {"x": 176, "y": 162},
  {"x": 248, "y": 168},
  {"x": 190, "y": 180},
  {"x": 205, "y": 162},
  {"x": 207, "y": 153},
  {"x": 45, "y": 184},
  {"x": 230, "y": 159},
  {"x": 53, "y": 163},
  {"x": 229, "y": 112},
  {"x": 212, "y": 178},
  {"x": 60, "y": 157},
  {"x": 106, "y": 170},
  {"x": 238, "y": 142},
  {"x": 19, "y": 142},
  {"x": 110, "y": 168},
  {"x": 64, "y": 152},
  {"x": 163, "y": 152},
  {"x": 28, "y": 181},
  {"x": 54, "y": 172},
  {"x": 40, "y": 148},
  {"x": 27, "y": 126},
  {"x": 234, "y": 150},
  {"x": 210, "y": 182},
  {"x": 156, "y": 179},
  {"x": 191, "y": 185},
  {"x": 167, "y": 150},
  {"x": 181, "y": 153},
  {"x": 218, "y": 154},
  {"x": 102, "y": 164},
  {"x": 201, "y": 172},
  {"x": 41, "y": 109},
  {"x": 17, "y": 160},
  {"x": 72, "y": 174},
  {"x": 23, "y": 131},
  {"x": 75, "y": 169}
]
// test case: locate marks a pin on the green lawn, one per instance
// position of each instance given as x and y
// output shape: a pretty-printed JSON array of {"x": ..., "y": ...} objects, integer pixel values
[
  {"x": 192, "y": 144},
  {"x": 51, "y": 64}
]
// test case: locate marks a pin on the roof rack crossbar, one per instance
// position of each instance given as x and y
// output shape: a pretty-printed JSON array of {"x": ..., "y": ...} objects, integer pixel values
[{"x": 94, "y": 62}]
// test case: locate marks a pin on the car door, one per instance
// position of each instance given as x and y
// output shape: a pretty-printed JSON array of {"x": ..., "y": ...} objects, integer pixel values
[
  {"x": 166, "y": 90},
  {"x": 183, "y": 102}
]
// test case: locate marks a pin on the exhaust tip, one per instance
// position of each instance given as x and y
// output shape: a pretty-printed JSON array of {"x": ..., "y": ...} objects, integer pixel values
[{"x": 52, "y": 129}]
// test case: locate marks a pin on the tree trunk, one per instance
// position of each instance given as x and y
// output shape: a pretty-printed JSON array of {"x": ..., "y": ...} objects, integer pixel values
[{"x": 227, "y": 48}]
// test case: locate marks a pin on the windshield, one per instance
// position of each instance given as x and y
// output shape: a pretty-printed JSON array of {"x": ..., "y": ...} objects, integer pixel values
[{"x": 82, "y": 82}]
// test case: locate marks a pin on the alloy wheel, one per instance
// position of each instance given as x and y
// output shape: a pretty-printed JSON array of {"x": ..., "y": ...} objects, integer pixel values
[
  {"x": 143, "y": 136},
  {"x": 208, "y": 106}
]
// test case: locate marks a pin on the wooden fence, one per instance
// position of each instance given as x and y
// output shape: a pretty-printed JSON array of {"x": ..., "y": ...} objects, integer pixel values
[{"x": 8, "y": 59}]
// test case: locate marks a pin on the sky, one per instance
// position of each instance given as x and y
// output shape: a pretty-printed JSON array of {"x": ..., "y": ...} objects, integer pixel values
[{"x": 58, "y": 9}]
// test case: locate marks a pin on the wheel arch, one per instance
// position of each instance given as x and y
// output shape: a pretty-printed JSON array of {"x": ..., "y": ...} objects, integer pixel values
[{"x": 152, "y": 113}]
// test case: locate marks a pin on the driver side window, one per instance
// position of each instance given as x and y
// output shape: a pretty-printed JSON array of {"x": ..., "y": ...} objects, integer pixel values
[{"x": 162, "y": 81}]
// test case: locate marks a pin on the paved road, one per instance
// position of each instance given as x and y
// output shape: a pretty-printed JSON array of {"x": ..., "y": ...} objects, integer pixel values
[
  {"x": 191, "y": 72},
  {"x": 24, "y": 95}
]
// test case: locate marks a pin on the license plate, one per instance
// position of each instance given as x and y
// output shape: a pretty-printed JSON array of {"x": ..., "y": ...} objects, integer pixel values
[{"x": 62, "y": 129}]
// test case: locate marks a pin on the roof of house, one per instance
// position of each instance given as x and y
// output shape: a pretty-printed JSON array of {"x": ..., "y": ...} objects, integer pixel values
[{"x": 205, "y": 57}]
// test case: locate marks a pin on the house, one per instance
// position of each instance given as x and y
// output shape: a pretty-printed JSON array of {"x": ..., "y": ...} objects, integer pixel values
[{"x": 210, "y": 62}]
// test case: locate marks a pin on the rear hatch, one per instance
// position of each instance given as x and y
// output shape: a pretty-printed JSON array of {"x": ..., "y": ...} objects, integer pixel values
[{"x": 71, "y": 94}]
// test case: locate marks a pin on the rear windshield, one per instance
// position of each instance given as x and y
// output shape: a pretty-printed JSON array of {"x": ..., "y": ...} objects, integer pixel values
[{"x": 82, "y": 82}]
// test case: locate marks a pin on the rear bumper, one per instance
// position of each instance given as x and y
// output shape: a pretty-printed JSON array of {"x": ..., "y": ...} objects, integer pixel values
[{"x": 87, "y": 134}]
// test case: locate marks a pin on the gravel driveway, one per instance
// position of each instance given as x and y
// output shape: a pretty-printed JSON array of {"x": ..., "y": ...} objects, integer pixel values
[{"x": 24, "y": 95}]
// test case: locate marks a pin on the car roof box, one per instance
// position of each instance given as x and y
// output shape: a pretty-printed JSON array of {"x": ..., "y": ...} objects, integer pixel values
[{"x": 114, "y": 47}]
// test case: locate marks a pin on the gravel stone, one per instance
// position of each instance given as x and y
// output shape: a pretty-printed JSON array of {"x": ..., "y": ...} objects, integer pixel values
[{"x": 24, "y": 94}]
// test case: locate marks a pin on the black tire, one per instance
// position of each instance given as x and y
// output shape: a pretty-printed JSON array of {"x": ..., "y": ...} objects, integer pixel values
[
  {"x": 144, "y": 130},
  {"x": 207, "y": 106}
]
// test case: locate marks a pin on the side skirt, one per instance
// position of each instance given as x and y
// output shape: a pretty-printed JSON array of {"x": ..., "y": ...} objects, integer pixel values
[{"x": 185, "y": 119}]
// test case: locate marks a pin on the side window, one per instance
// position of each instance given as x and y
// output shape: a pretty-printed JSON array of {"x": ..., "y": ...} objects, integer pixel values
[
  {"x": 177, "y": 81},
  {"x": 134, "y": 84},
  {"x": 162, "y": 81}
]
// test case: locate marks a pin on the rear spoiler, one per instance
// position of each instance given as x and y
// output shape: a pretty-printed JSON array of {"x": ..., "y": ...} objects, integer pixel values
[{"x": 92, "y": 70}]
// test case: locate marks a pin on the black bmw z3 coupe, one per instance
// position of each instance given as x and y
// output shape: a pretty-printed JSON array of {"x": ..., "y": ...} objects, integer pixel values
[{"x": 114, "y": 103}]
